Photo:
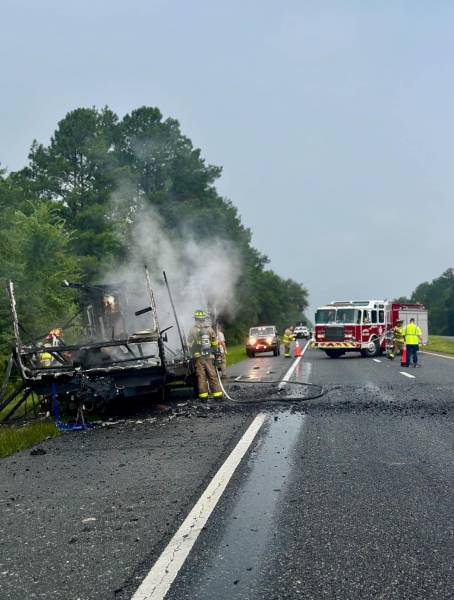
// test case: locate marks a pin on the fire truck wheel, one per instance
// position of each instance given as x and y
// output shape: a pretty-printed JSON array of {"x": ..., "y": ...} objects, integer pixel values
[
  {"x": 334, "y": 353},
  {"x": 372, "y": 350}
]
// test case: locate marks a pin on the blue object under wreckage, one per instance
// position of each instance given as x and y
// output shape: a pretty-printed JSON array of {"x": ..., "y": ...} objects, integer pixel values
[{"x": 65, "y": 426}]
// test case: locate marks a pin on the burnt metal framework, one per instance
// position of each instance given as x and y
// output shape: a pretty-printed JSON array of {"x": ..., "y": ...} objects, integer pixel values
[{"x": 112, "y": 360}]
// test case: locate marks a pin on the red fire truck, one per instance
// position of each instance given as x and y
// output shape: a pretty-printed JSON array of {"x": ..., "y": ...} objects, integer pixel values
[{"x": 363, "y": 325}]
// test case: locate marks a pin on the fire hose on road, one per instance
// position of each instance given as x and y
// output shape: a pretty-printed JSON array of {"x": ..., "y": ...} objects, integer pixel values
[{"x": 280, "y": 383}]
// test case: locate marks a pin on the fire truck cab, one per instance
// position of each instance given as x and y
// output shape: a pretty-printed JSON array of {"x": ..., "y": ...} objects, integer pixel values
[{"x": 363, "y": 326}]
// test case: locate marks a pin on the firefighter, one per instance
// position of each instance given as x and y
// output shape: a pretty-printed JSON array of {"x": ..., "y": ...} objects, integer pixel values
[
  {"x": 45, "y": 357},
  {"x": 412, "y": 337},
  {"x": 222, "y": 359},
  {"x": 398, "y": 338},
  {"x": 287, "y": 339},
  {"x": 203, "y": 344}
]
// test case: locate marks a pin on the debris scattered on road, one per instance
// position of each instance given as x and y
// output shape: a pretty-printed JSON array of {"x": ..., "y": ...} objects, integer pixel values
[{"x": 38, "y": 452}]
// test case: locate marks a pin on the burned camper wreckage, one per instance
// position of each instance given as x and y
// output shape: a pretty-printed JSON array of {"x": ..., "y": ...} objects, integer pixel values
[{"x": 111, "y": 355}]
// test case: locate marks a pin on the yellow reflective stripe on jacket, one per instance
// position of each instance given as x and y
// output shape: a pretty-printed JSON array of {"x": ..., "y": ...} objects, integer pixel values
[
  {"x": 412, "y": 333},
  {"x": 398, "y": 333}
]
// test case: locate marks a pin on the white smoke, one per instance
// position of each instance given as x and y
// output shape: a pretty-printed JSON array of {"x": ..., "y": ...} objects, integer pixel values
[{"x": 202, "y": 274}]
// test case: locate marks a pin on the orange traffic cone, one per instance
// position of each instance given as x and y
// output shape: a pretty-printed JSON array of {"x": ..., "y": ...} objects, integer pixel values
[
  {"x": 403, "y": 357},
  {"x": 297, "y": 348}
]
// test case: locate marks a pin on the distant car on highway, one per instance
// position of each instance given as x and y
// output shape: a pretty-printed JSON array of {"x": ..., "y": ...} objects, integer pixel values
[
  {"x": 263, "y": 339},
  {"x": 301, "y": 331}
]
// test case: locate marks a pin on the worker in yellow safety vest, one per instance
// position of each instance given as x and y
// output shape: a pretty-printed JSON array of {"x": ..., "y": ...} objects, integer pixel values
[
  {"x": 413, "y": 337},
  {"x": 204, "y": 346},
  {"x": 287, "y": 339}
]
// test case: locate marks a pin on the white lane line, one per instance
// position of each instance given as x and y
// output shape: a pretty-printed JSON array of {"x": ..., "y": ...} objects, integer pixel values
[
  {"x": 407, "y": 375},
  {"x": 376, "y": 359},
  {"x": 158, "y": 581},
  {"x": 435, "y": 354},
  {"x": 289, "y": 373}
]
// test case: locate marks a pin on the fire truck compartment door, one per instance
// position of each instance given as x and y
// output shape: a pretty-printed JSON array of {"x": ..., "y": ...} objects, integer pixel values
[{"x": 421, "y": 320}]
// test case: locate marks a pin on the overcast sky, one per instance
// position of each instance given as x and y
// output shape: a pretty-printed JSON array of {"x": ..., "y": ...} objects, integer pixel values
[{"x": 333, "y": 121}]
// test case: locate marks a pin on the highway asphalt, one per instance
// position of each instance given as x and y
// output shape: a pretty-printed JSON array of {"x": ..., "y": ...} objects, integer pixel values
[{"x": 346, "y": 496}]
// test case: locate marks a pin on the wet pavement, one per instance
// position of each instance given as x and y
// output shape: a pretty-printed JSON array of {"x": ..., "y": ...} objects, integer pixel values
[
  {"x": 349, "y": 495},
  {"x": 239, "y": 533}
]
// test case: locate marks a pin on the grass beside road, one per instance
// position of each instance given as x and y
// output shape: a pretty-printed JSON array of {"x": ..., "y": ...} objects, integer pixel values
[
  {"x": 235, "y": 354},
  {"x": 439, "y": 344},
  {"x": 25, "y": 409},
  {"x": 14, "y": 438}
]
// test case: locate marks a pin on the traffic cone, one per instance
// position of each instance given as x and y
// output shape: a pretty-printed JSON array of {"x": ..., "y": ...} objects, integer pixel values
[
  {"x": 403, "y": 357},
  {"x": 297, "y": 348}
]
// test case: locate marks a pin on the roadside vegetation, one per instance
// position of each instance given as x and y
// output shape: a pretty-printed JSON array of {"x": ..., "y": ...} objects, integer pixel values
[
  {"x": 235, "y": 354},
  {"x": 438, "y": 297},
  {"x": 26, "y": 410},
  {"x": 439, "y": 344},
  {"x": 14, "y": 438},
  {"x": 70, "y": 213}
]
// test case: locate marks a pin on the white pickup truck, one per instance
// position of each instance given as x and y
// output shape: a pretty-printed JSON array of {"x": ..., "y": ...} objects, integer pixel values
[{"x": 301, "y": 331}]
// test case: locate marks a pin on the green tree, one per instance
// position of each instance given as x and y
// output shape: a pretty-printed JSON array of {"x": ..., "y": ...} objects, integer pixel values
[
  {"x": 438, "y": 297},
  {"x": 38, "y": 260},
  {"x": 78, "y": 171},
  {"x": 162, "y": 162},
  {"x": 98, "y": 173}
]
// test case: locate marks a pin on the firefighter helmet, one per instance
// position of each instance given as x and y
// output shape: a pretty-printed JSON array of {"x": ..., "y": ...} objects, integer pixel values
[{"x": 200, "y": 315}]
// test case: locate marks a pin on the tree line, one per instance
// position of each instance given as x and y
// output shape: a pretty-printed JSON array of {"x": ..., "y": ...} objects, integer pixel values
[
  {"x": 68, "y": 212},
  {"x": 438, "y": 297}
]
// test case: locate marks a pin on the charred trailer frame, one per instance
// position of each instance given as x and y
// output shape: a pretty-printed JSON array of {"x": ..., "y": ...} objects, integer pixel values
[{"x": 111, "y": 362}]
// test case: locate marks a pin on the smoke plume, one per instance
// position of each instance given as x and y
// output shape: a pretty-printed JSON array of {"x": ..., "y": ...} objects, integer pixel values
[{"x": 202, "y": 273}]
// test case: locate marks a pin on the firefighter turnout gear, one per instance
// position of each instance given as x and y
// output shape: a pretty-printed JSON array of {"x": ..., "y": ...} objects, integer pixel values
[
  {"x": 203, "y": 345},
  {"x": 45, "y": 358},
  {"x": 398, "y": 340},
  {"x": 287, "y": 339},
  {"x": 221, "y": 359}
]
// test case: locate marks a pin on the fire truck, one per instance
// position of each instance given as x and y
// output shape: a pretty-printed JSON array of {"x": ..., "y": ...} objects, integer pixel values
[{"x": 363, "y": 326}]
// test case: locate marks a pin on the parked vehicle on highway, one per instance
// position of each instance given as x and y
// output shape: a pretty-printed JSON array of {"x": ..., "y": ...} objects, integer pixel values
[
  {"x": 301, "y": 332},
  {"x": 363, "y": 326},
  {"x": 263, "y": 339}
]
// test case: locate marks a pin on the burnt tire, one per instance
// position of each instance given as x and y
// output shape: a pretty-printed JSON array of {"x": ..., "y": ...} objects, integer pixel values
[
  {"x": 250, "y": 354},
  {"x": 276, "y": 352},
  {"x": 372, "y": 350},
  {"x": 334, "y": 353}
]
